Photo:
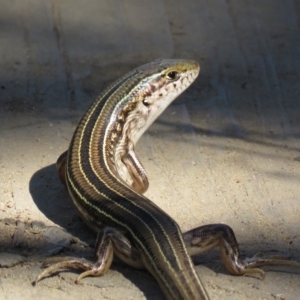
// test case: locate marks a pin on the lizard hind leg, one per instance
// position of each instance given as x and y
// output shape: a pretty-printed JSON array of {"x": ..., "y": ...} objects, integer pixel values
[
  {"x": 207, "y": 237},
  {"x": 104, "y": 253},
  {"x": 110, "y": 242},
  {"x": 259, "y": 260}
]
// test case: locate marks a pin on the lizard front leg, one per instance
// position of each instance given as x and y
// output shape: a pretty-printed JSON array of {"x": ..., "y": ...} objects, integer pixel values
[{"x": 136, "y": 172}]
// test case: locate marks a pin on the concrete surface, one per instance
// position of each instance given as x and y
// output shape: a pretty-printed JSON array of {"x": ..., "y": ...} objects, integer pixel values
[{"x": 226, "y": 151}]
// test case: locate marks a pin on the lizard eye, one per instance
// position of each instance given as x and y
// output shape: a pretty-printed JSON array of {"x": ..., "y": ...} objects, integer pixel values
[
  {"x": 145, "y": 102},
  {"x": 172, "y": 75}
]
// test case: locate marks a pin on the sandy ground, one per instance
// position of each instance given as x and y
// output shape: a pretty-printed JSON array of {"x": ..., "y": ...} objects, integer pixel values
[{"x": 227, "y": 151}]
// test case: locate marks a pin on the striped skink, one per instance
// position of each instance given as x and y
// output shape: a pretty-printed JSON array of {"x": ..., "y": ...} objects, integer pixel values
[{"x": 106, "y": 182}]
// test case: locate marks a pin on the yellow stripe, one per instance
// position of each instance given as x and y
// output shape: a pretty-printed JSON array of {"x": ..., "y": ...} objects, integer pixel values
[{"x": 111, "y": 188}]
